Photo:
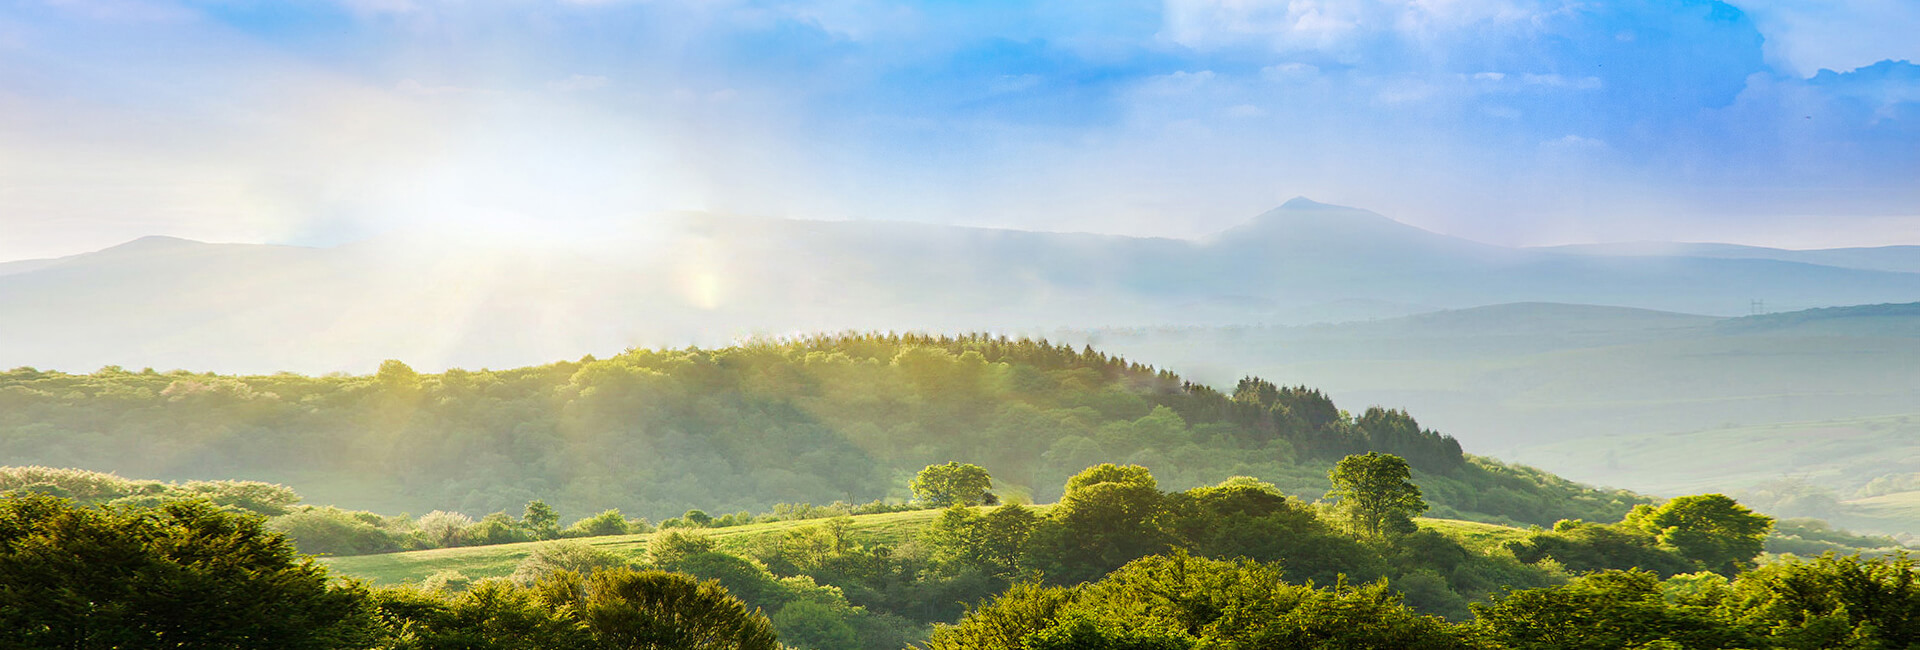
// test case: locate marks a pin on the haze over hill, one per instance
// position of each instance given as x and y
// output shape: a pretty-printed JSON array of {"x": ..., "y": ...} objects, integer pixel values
[
  {"x": 1816, "y": 407},
  {"x": 454, "y": 301}
]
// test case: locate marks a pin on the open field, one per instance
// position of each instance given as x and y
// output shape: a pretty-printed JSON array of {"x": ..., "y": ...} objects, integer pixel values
[
  {"x": 891, "y": 528},
  {"x": 498, "y": 560}
]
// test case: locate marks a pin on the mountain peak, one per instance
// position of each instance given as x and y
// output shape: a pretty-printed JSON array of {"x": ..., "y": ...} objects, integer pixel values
[
  {"x": 1310, "y": 229},
  {"x": 1304, "y": 203},
  {"x": 151, "y": 243}
]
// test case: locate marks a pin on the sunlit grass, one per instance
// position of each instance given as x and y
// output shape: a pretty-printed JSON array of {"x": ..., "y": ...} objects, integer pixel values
[{"x": 891, "y": 528}]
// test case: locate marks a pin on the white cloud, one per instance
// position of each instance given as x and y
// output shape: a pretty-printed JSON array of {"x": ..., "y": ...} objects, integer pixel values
[
  {"x": 1334, "y": 26},
  {"x": 1804, "y": 36},
  {"x": 1557, "y": 81},
  {"x": 1289, "y": 71},
  {"x": 1176, "y": 83}
]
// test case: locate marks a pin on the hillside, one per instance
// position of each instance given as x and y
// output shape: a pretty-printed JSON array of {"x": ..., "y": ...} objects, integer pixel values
[
  {"x": 1612, "y": 396},
  {"x": 656, "y": 432},
  {"x": 499, "y": 560},
  {"x": 443, "y": 300},
  {"x": 892, "y": 529}
]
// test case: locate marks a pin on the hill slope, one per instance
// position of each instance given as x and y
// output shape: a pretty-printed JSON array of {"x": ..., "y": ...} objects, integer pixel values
[
  {"x": 1667, "y": 403},
  {"x": 656, "y": 432}
]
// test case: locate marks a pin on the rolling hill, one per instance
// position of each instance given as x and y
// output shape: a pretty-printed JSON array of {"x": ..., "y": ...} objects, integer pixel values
[{"x": 1667, "y": 403}]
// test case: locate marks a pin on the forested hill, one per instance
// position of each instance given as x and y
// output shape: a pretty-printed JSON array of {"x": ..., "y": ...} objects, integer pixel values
[{"x": 655, "y": 432}]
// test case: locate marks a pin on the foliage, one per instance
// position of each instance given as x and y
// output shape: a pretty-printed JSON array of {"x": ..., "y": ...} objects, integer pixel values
[
  {"x": 1109, "y": 516},
  {"x": 185, "y": 574},
  {"x": 1179, "y": 601},
  {"x": 808, "y": 420},
  {"x": 953, "y": 483},
  {"x": 609, "y": 522},
  {"x": 1603, "y": 611},
  {"x": 1582, "y": 547},
  {"x": 332, "y": 531},
  {"x": 1712, "y": 530},
  {"x": 568, "y": 556},
  {"x": 1829, "y": 602},
  {"x": 656, "y": 610},
  {"x": 1377, "y": 493},
  {"x": 541, "y": 520}
]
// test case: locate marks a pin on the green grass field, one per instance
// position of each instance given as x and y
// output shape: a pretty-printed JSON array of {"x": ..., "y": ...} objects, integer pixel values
[
  {"x": 890, "y": 528},
  {"x": 499, "y": 560},
  {"x": 1475, "y": 535}
]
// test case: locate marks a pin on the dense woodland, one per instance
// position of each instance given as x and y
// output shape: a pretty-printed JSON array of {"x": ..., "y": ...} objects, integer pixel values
[{"x": 654, "y": 433}]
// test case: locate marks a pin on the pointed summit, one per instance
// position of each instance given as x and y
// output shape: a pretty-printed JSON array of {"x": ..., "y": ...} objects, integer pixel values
[
  {"x": 1305, "y": 228},
  {"x": 151, "y": 243},
  {"x": 1304, "y": 203}
]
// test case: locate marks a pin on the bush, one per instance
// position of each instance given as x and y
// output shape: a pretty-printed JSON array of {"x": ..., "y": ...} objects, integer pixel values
[
  {"x": 554, "y": 557},
  {"x": 332, "y": 531},
  {"x": 443, "y": 529},
  {"x": 609, "y": 522}
]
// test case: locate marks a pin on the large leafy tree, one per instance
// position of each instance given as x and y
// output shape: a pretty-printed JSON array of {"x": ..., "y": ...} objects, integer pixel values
[
  {"x": 182, "y": 575},
  {"x": 1377, "y": 493},
  {"x": 953, "y": 483},
  {"x": 655, "y": 610},
  {"x": 1710, "y": 529},
  {"x": 1601, "y": 611},
  {"x": 1109, "y": 516}
]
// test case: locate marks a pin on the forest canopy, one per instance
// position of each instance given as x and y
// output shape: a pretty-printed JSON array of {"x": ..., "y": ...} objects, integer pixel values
[{"x": 655, "y": 433}]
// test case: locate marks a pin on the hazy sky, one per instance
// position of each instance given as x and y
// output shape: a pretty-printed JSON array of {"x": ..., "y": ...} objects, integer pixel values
[{"x": 1780, "y": 122}]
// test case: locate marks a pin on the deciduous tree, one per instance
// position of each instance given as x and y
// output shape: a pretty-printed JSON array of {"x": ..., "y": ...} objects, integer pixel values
[
  {"x": 1377, "y": 493},
  {"x": 953, "y": 483}
]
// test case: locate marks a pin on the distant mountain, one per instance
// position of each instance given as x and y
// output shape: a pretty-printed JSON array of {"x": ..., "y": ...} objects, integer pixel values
[
  {"x": 445, "y": 300},
  {"x": 1899, "y": 259}
]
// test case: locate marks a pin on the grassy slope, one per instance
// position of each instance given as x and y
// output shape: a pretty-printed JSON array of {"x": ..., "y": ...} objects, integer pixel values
[
  {"x": 499, "y": 560},
  {"x": 1686, "y": 404},
  {"x": 890, "y": 528},
  {"x": 1842, "y": 454}
]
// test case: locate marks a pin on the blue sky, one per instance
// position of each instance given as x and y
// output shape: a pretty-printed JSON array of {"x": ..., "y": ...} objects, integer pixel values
[{"x": 1777, "y": 122}]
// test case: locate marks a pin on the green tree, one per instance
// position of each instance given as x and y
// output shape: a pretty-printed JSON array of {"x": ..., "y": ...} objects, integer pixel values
[
  {"x": 491, "y": 615},
  {"x": 183, "y": 575},
  {"x": 541, "y": 520},
  {"x": 1377, "y": 493},
  {"x": 1606, "y": 610},
  {"x": 656, "y": 610},
  {"x": 953, "y": 483},
  {"x": 1712, "y": 530},
  {"x": 1109, "y": 516},
  {"x": 1830, "y": 602}
]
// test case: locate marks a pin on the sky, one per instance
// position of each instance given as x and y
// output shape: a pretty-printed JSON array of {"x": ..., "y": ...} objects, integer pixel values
[{"x": 1792, "y": 123}]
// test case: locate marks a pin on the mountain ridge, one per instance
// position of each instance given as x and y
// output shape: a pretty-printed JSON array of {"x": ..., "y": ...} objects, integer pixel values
[{"x": 708, "y": 279}]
